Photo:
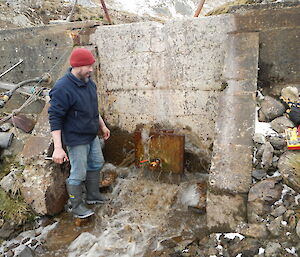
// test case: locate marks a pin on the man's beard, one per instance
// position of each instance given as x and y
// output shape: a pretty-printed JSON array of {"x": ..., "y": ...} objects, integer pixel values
[{"x": 84, "y": 78}]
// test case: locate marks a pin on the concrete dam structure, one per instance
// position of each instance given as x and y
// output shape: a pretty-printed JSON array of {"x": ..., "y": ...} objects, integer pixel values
[{"x": 194, "y": 77}]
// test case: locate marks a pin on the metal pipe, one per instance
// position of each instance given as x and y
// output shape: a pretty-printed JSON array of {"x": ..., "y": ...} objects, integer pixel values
[
  {"x": 105, "y": 11},
  {"x": 5, "y": 139},
  {"x": 69, "y": 18},
  {"x": 11, "y": 68},
  {"x": 199, "y": 8},
  {"x": 45, "y": 78}
]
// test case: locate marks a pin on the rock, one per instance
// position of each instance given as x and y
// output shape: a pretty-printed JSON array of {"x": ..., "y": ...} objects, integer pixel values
[
  {"x": 11, "y": 183},
  {"x": 259, "y": 138},
  {"x": 25, "y": 240},
  {"x": 6, "y": 127},
  {"x": 168, "y": 243},
  {"x": 10, "y": 253},
  {"x": 280, "y": 124},
  {"x": 26, "y": 252},
  {"x": 108, "y": 178},
  {"x": 298, "y": 228},
  {"x": 275, "y": 227},
  {"x": 40, "y": 250},
  {"x": 254, "y": 230},
  {"x": 275, "y": 162},
  {"x": 247, "y": 246},
  {"x": 33, "y": 242},
  {"x": 259, "y": 152},
  {"x": 288, "y": 214},
  {"x": 259, "y": 174},
  {"x": 278, "y": 143},
  {"x": 288, "y": 200},
  {"x": 267, "y": 190},
  {"x": 292, "y": 222},
  {"x": 280, "y": 210},
  {"x": 267, "y": 156},
  {"x": 260, "y": 198},
  {"x": 271, "y": 108},
  {"x": 279, "y": 152},
  {"x": 290, "y": 94},
  {"x": 13, "y": 245},
  {"x": 256, "y": 210},
  {"x": 44, "y": 187},
  {"x": 6, "y": 230},
  {"x": 273, "y": 249},
  {"x": 289, "y": 167}
]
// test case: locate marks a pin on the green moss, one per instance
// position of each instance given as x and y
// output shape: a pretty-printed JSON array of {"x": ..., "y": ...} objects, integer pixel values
[
  {"x": 7, "y": 164},
  {"x": 14, "y": 209}
]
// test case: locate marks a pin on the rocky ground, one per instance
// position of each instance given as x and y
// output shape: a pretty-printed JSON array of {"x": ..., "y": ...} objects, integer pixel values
[
  {"x": 26, "y": 13},
  {"x": 14, "y": 14},
  {"x": 273, "y": 227},
  {"x": 273, "y": 200}
]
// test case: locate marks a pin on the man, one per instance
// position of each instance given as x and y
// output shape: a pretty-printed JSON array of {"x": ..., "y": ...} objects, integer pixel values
[{"x": 74, "y": 119}]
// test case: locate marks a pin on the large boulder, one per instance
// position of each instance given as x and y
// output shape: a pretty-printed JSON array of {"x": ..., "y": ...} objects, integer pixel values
[
  {"x": 44, "y": 187},
  {"x": 289, "y": 167}
]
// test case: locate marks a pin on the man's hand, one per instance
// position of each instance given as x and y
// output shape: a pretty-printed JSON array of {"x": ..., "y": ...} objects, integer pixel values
[
  {"x": 105, "y": 132},
  {"x": 59, "y": 155}
]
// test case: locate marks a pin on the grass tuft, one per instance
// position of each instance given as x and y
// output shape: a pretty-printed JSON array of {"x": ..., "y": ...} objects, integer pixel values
[{"x": 14, "y": 209}]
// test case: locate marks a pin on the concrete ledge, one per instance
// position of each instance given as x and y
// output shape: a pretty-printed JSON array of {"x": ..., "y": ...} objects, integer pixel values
[
  {"x": 231, "y": 168},
  {"x": 225, "y": 212}
]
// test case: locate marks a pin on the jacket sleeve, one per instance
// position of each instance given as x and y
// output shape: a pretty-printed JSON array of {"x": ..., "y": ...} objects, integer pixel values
[{"x": 59, "y": 106}]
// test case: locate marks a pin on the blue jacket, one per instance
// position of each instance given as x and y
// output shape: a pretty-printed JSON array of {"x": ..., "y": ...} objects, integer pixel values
[{"x": 74, "y": 110}]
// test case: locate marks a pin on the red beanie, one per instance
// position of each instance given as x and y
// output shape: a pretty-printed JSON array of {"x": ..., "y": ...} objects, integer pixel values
[{"x": 81, "y": 57}]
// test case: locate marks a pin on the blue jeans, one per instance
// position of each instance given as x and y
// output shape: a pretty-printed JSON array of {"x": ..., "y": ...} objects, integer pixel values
[{"x": 84, "y": 158}]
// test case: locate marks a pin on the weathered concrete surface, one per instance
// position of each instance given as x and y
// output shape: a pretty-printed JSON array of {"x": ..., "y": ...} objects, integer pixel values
[
  {"x": 225, "y": 211},
  {"x": 232, "y": 155},
  {"x": 163, "y": 73},
  {"x": 279, "y": 62},
  {"x": 40, "y": 48}
]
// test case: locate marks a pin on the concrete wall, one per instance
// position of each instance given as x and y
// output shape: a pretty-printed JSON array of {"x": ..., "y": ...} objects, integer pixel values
[
  {"x": 40, "y": 48},
  {"x": 44, "y": 49},
  {"x": 169, "y": 74}
]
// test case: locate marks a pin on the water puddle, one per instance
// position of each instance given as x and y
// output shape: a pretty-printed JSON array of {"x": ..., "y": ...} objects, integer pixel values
[{"x": 142, "y": 216}]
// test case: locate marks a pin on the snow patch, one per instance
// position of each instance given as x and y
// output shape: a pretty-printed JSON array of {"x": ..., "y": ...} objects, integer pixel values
[{"x": 233, "y": 235}]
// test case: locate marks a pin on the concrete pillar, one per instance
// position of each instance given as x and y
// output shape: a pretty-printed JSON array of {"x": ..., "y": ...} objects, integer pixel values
[{"x": 230, "y": 174}]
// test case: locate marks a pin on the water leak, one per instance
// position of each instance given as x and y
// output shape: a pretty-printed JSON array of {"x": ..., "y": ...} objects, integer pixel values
[{"x": 141, "y": 216}]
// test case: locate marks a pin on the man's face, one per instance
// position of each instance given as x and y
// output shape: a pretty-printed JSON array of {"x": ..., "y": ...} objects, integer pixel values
[{"x": 85, "y": 72}]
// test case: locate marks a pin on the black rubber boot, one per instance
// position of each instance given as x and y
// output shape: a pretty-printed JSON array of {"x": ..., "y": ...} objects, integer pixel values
[
  {"x": 79, "y": 209},
  {"x": 93, "y": 195}
]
